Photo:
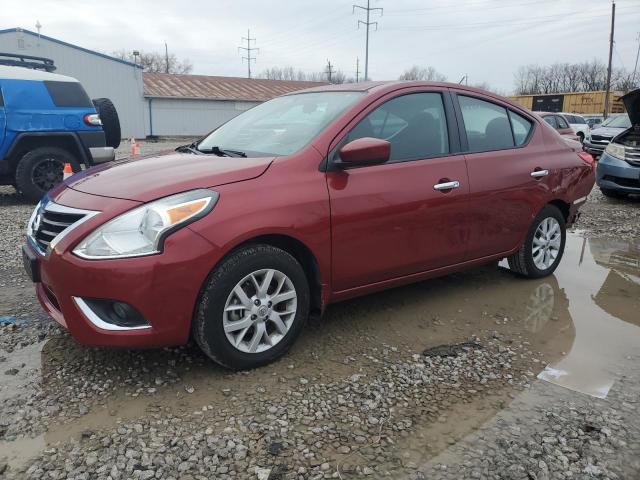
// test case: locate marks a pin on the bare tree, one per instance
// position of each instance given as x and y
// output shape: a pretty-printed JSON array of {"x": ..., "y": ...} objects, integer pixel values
[
  {"x": 422, "y": 73},
  {"x": 569, "y": 77},
  {"x": 155, "y": 62},
  {"x": 290, "y": 73}
]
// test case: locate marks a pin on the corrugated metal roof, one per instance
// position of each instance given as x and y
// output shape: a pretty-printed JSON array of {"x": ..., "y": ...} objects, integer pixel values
[{"x": 218, "y": 88}]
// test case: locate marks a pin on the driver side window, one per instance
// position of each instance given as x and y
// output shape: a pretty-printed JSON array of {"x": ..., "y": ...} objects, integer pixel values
[{"x": 414, "y": 124}]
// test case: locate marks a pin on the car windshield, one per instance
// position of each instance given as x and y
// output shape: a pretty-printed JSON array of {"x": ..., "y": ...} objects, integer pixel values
[
  {"x": 619, "y": 121},
  {"x": 280, "y": 126}
]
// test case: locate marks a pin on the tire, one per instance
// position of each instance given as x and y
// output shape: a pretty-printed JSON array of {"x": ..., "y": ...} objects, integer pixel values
[
  {"x": 218, "y": 295},
  {"x": 110, "y": 121},
  {"x": 613, "y": 193},
  {"x": 523, "y": 261},
  {"x": 41, "y": 169}
]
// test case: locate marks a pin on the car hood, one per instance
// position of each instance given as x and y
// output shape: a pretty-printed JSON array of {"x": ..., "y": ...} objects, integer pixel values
[
  {"x": 147, "y": 178},
  {"x": 607, "y": 131},
  {"x": 632, "y": 104}
]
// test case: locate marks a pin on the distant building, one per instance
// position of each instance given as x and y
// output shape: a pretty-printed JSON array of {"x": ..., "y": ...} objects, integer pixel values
[
  {"x": 150, "y": 103},
  {"x": 196, "y": 104}
]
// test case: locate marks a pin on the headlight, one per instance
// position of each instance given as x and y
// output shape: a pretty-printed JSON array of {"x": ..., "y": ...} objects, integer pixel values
[
  {"x": 142, "y": 231},
  {"x": 615, "y": 150}
]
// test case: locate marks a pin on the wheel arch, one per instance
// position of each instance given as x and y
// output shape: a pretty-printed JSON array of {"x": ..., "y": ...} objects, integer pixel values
[
  {"x": 301, "y": 252},
  {"x": 26, "y": 141},
  {"x": 564, "y": 207}
]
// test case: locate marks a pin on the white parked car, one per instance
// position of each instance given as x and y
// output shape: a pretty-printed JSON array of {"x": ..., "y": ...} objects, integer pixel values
[{"x": 577, "y": 123}]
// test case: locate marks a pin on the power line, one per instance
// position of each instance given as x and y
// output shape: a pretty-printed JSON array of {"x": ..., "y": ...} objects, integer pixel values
[
  {"x": 329, "y": 70},
  {"x": 367, "y": 24},
  {"x": 248, "y": 49}
]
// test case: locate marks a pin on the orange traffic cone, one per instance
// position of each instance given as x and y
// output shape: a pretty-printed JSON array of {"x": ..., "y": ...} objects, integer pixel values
[
  {"x": 67, "y": 172},
  {"x": 134, "y": 146}
]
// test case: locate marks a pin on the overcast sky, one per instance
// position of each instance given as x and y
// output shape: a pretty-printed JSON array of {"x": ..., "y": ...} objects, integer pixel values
[{"x": 485, "y": 39}]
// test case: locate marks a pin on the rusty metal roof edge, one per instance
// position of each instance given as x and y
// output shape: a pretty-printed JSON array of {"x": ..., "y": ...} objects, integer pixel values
[{"x": 212, "y": 99}]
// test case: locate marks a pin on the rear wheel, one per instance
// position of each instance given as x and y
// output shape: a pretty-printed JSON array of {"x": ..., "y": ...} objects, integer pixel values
[
  {"x": 41, "y": 169},
  {"x": 543, "y": 246},
  {"x": 253, "y": 307},
  {"x": 612, "y": 193}
]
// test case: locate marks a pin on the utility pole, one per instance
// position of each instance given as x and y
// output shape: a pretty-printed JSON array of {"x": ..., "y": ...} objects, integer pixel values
[
  {"x": 329, "y": 70},
  {"x": 613, "y": 22},
  {"x": 635, "y": 69},
  {"x": 166, "y": 58},
  {"x": 357, "y": 69},
  {"x": 248, "y": 49},
  {"x": 367, "y": 24}
]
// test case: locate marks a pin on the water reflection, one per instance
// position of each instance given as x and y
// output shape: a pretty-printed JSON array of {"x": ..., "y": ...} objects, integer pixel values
[{"x": 600, "y": 278}]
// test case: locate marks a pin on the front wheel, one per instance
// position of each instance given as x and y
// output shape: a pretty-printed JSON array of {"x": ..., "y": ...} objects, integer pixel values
[
  {"x": 41, "y": 169},
  {"x": 543, "y": 246},
  {"x": 253, "y": 307}
]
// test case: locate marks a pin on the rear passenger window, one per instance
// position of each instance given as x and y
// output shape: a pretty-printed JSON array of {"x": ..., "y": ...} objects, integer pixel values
[
  {"x": 551, "y": 121},
  {"x": 414, "y": 124},
  {"x": 521, "y": 128},
  {"x": 68, "y": 94},
  {"x": 486, "y": 124}
]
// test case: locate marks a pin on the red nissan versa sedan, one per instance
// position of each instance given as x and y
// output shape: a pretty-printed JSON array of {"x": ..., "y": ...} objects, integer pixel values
[{"x": 305, "y": 200}]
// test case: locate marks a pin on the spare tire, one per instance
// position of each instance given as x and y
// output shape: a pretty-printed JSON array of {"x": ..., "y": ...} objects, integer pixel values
[{"x": 110, "y": 121}]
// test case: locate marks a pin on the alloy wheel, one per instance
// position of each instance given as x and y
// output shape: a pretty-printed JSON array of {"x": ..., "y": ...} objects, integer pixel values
[
  {"x": 259, "y": 311},
  {"x": 47, "y": 174},
  {"x": 547, "y": 241}
]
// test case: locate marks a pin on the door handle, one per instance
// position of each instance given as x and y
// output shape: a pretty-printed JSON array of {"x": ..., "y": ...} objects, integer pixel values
[
  {"x": 539, "y": 173},
  {"x": 447, "y": 185}
]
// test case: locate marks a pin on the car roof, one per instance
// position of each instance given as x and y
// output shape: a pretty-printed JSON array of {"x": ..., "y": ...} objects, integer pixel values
[
  {"x": 382, "y": 87},
  {"x": 21, "y": 73}
]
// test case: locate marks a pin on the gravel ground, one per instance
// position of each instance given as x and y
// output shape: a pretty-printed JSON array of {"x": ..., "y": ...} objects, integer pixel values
[{"x": 355, "y": 398}]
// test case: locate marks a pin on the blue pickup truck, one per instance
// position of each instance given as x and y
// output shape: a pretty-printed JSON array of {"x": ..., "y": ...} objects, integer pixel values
[{"x": 47, "y": 120}]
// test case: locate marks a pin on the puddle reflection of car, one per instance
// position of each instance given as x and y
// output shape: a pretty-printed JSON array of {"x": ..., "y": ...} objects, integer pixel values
[{"x": 305, "y": 200}]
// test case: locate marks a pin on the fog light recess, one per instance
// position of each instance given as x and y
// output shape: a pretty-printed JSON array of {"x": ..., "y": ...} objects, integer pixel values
[{"x": 111, "y": 314}]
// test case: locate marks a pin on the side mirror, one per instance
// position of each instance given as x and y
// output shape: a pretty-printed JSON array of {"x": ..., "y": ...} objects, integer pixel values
[{"x": 365, "y": 151}]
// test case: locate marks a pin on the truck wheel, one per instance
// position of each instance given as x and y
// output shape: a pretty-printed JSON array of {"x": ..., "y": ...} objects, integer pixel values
[
  {"x": 41, "y": 169},
  {"x": 252, "y": 308},
  {"x": 110, "y": 121},
  {"x": 543, "y": 246}
]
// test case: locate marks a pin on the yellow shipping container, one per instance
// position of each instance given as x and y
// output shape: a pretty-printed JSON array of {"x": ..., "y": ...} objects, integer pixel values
[{"x": 575, "y": 102}]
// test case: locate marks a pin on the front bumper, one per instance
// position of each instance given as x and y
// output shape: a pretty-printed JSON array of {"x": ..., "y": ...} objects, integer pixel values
[
  {"x": 164, "y": 288},
  {"x": 615, "y": 174}
]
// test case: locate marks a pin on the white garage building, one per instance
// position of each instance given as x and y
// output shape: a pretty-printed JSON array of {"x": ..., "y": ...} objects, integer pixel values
[
  {"x": 150, "y": 103},
  {"x": 196, "y": 104}
]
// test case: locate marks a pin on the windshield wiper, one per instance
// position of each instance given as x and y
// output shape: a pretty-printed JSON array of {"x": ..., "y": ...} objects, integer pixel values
[
  {"x": 223, "y": 152},
  {"x": 188, "y": 149}
]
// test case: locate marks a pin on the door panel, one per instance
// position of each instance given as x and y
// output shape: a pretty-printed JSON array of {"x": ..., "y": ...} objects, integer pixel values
[
  {"x": 389, "y": 221},
  {"x": 503, "y": 197},
  {"x": 3, "y": 120}
]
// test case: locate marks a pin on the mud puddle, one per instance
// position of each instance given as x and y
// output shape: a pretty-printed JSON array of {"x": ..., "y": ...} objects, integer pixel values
[{"x": 583, "y": 321}]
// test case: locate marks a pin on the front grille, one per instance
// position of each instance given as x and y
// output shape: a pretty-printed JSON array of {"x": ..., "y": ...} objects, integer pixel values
[
  {"x": 51, "y": 221},
  {"x": 623, "y": 182},
  {"x": 632, "y": 155},
  {"x": 600, "y": 139}
]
